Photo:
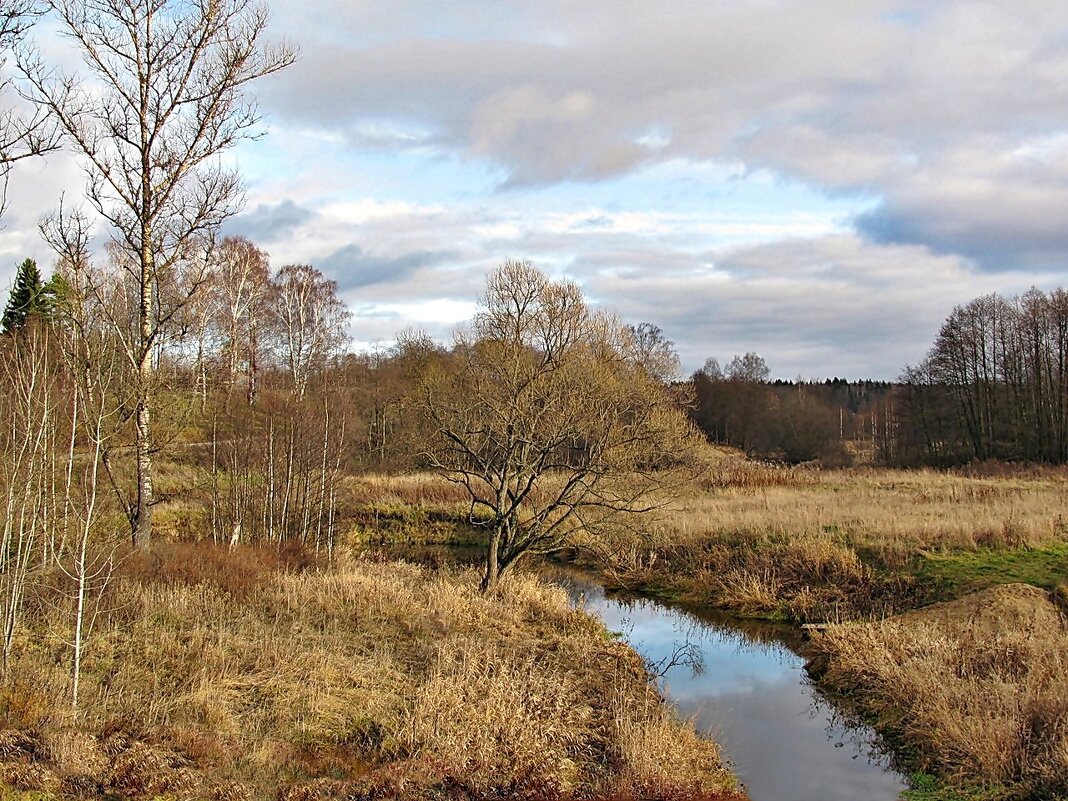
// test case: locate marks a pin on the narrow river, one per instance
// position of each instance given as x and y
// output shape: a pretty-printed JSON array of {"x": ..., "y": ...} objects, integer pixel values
[{"x": 752, "y": 696}]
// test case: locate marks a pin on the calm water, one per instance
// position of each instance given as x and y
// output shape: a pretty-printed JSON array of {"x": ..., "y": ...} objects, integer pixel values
[{"x": 752, "y": 696}]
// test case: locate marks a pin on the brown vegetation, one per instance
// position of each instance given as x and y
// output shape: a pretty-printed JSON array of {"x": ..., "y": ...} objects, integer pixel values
[
  {"x": 975, "y": 690},
  {"x": 552, "y": 417},
  {"x": 818, "y": 545},
  {"x": 233, "y": 674}
]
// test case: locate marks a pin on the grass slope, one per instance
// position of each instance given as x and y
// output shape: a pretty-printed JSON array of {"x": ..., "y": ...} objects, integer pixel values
[{"x": 242, "y": 675}]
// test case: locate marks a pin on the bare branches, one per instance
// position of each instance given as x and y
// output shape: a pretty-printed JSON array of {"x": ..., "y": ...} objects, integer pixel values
[
  {"x": 548, "y": 420},
  {"x": 311, "y": 321},
  {"x": 165, "y": 94},
  {"x": 24, "y": 131}
]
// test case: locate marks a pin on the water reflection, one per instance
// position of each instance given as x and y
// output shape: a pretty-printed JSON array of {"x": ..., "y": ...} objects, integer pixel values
[{"x": 785, "y": 741}]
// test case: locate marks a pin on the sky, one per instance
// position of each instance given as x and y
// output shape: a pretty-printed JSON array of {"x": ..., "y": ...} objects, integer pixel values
[{"x": 819, "y": 182}]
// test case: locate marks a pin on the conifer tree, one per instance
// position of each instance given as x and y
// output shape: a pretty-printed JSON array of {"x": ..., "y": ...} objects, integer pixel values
[{"x": 27, "y": 297}]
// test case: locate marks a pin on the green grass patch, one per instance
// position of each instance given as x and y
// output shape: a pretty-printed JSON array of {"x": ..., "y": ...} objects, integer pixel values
[
  {"x": 956, "y": 574},
  {"x": 8, "y": 793},
  {"x": 924, "y": 787}
]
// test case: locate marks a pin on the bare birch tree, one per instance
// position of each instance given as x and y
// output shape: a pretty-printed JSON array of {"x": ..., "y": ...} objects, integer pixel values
[
  {"x": 243, "y": 284},
  {"x": 87, "y": 558},
  {"x": 166, "y": 95},
  {"x": 311, "y": 321},
  {"x": 28, "y": 442}
]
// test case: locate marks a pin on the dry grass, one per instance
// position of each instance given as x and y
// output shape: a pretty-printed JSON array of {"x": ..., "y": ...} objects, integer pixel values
[
  {"x": 242, "y": 675},
  {"x": 893, "y": 512},
  {"x": 976, "y": 690},
  {"x": 409, "y": 489},
  {"x": 807, "y": 544}
]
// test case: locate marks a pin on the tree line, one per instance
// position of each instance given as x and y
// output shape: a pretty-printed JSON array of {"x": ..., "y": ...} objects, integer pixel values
[
  {"x": 993, "y": 386},
  {"x": 789, "y": 421}
]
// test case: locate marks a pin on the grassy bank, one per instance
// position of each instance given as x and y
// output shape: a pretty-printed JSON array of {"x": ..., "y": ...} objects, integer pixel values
[
  {"x": 816, "y": 546},
  {"x": 973, "y": 708},
  {"x": 796, "y": 544},
  {"x": 974, "y": 691},
  {"x": 245, "y": 675}
]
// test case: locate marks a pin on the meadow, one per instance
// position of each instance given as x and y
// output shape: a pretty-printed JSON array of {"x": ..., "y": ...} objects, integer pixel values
[
  {"x": 936, "y": 600},
  {"x": 248, "y": 673}
]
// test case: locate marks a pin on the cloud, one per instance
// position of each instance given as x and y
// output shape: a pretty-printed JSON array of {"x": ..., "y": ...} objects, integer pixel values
[
  {"x": 833, "y": 305},
  {"x": 816, "y": 181},
  {"x": 885, "y": 97},
  {"x": 1002, "y": 203},
  {"x": 269, "y": 223},
  {"x": 353, "y": 268}
]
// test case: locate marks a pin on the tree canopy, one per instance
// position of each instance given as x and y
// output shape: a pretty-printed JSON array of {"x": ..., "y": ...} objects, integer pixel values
[{"x": 548, "y": 417}]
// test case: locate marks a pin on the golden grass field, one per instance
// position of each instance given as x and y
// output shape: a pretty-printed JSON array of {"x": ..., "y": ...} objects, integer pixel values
[
  {"x": 976, "y": 689},
  {"x": 973, "y": 690},
  {"x": 235, "y": 675}
]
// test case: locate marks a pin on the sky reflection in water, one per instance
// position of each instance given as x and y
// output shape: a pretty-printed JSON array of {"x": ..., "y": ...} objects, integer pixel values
[{"x": 752, "y": 697}]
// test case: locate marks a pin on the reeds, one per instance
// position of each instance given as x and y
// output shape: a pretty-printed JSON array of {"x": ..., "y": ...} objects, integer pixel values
[{"x": 975, "y": 690}]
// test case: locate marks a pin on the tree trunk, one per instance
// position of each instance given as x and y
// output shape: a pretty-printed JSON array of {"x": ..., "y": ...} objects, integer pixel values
[
  {"x": 142, "y": 527},
  {"x": 492, "y": 574}
]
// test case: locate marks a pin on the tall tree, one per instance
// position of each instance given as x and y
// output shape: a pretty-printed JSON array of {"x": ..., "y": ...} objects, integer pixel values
[
  {"x": 310, "y": 320},
  {"x": 653, "y": 349},
  {"x": 547, "y": 421},
  {"x": 29, "y": 296},
  {"x": 242, "y": 282},
  {"x": 165, "y": 95}
]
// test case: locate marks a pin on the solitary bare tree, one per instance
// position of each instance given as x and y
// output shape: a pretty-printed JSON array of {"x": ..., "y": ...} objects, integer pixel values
[
  {"x": 166, "y": 96},
  {"x": 548, "y": 421}
]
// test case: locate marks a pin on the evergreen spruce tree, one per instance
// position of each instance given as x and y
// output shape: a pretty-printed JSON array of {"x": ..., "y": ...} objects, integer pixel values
[{"x": 27, "y": 297}]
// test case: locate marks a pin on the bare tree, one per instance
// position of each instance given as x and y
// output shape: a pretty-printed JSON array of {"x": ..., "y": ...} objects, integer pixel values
[
  {"x": 547, "y": 421},
  {"x": 166, "y": 95},
  {"x": 243, "y": 285},
  {"x": 654, "y": 350},
  {"x": 28, "y": 441},
  {"x": 87, "y": 558},
  {"x": 751, "y": 367},
  {"x": 311, "y": 321}
]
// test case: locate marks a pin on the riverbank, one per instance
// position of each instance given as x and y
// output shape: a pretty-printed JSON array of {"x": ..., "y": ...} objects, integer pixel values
[
  {"x": 794, "y": 544},
  {"x": 803, "y": 545},
  {"x": 237, "y": 675},
  {"x": 974, "y": 690},
  {"x": 814, "y": 546},
  {"x": 744, "y": 682}
]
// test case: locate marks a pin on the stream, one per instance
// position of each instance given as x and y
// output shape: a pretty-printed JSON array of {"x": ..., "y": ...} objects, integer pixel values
[{"x": 750, "y": 693}]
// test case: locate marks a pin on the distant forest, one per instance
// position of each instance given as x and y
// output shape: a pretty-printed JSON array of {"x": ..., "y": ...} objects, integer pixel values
[
  {"x": 261, "y": 361},
  {"x": 993, "y": 386}
]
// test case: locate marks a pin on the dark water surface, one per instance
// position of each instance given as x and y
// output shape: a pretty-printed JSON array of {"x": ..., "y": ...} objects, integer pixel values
[{"x": 783, "y": 739}]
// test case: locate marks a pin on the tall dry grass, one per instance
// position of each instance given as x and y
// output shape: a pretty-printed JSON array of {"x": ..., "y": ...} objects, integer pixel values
[
  {"x": 236, "y": 675},
  {"x": 891, "y": 512},
  {"x": 819, "y": 545},
  {"x": 975, "y": 690}
]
